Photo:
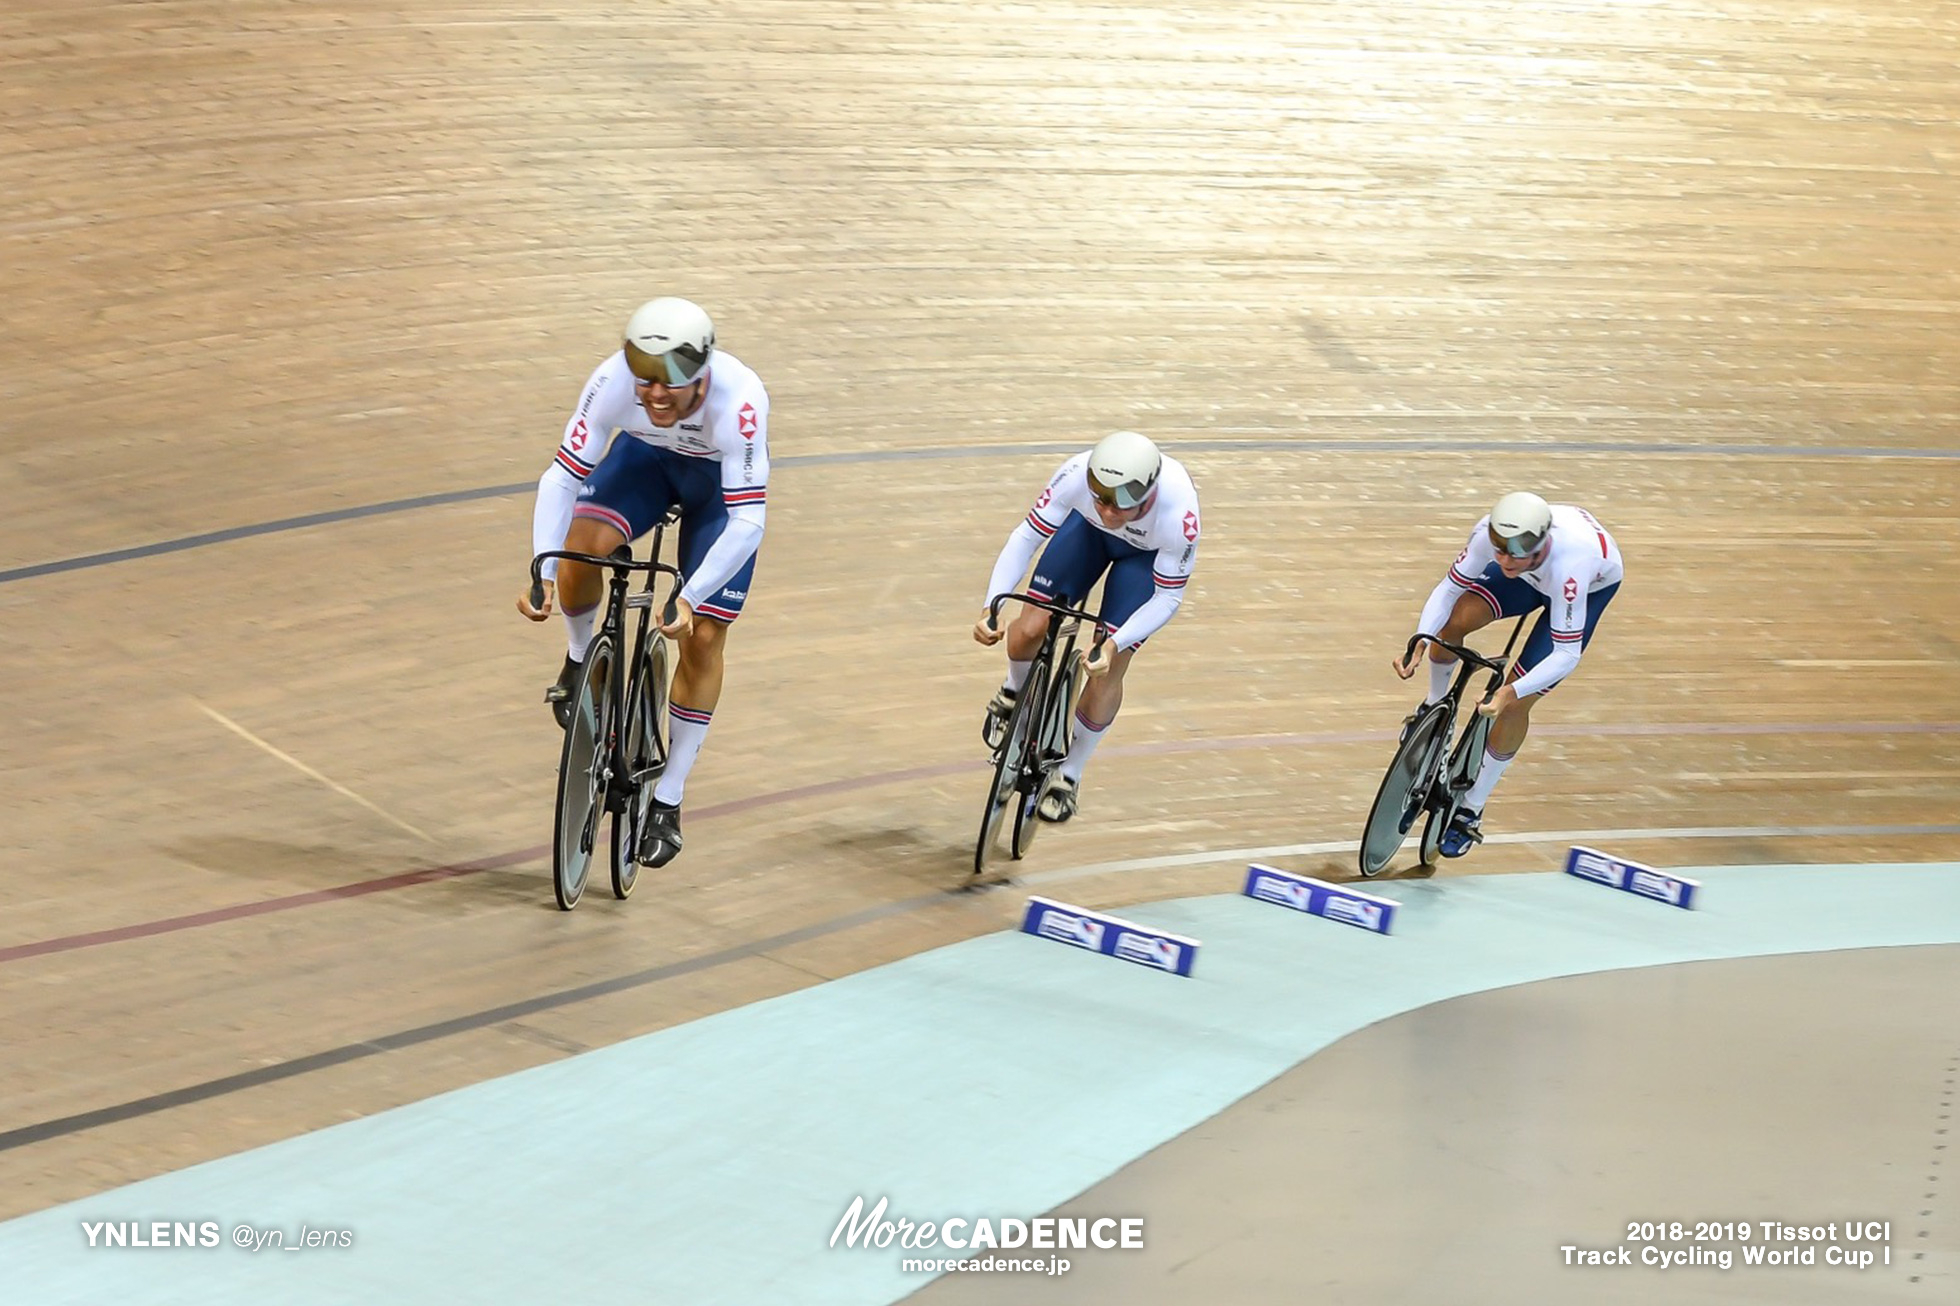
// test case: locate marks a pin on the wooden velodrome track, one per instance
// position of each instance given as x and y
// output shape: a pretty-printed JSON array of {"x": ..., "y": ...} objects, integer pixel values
[{"x": 277, "y": 801}]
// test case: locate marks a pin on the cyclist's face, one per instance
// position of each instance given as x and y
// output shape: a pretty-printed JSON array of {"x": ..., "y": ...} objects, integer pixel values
[
  {"x": 1115, "y": 518},
  {"x": 666, "y": 405},
  {"x": 1516, "y": 567}
]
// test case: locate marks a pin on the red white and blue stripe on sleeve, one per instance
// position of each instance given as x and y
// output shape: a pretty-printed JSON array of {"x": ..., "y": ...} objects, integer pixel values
[
  {"x": 742, "y": 495},
  {"x": 1165, "y": 582},
  {"x": 1042, "y": 528},
  {"x": 573, "y": 464}
]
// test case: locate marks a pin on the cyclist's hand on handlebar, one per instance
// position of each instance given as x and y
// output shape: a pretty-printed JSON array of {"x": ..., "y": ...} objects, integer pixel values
[
  {"x": 985, "y": 631},
  {"x": 1098, "y": 660},
  {"x": 1502, "y": 699},
  {"x": 1406, "y": 666},
  {"x": 683, "y": 623},
  {"x": 543, "y": 610}
]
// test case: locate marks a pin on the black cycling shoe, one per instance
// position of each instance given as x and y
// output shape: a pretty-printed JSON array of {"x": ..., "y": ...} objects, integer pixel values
[
  {"x": 561, "y": 693},
  {"x": 661, "y": 842}
]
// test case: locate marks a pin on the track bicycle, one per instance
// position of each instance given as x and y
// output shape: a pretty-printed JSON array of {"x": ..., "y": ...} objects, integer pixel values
[
  {"x": 1426, "y": 775},
  {"x": 603, "y": 768},
  {"x": 1039, "y": 731}
]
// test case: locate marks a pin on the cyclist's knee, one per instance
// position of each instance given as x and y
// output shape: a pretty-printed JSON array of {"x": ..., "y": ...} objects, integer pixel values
[
  {"x": 1024, "y": 633},
  {"x": 703, "y": 645}
]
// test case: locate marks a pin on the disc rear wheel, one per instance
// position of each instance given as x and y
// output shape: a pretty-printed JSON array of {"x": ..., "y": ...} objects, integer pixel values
[
  {"x": 645, "y": 751},
  {"x": 1055, "y": 737},
  {"x": 1405, "y": 789}
]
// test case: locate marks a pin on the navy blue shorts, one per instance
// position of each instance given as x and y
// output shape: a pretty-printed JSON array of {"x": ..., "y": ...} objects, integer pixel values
[
  {"x": 1514, "y": 597},
  {"x": 636, "y": 484},
  {"x": 1076, "y": 557}
]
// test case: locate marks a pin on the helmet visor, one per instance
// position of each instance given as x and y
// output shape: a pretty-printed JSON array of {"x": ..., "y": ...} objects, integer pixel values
[
  {"x": 1127, "y": 495},
  {"x": 1521, "y": 545},
  {"x": 679, "y": 366}
]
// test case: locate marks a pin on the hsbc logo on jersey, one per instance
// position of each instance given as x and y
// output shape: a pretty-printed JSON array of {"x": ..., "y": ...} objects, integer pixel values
[
  {"x": 1190, "y": 525},
  {"x": 1571, "y": 589},
  {"x": 745, "y": 421},
  {"x": 579, "y": 435},
  {"x": 1047, "y": 497}
]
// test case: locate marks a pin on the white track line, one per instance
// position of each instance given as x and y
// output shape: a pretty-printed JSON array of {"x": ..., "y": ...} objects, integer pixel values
[
  {"x": 1591, "y": 837},
  {"x": 306, "y": 770}
]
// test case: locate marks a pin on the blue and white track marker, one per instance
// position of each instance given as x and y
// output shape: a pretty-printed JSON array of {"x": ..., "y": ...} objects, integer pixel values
[
  {"x": 1319, "y": 898},
  {"x": 1631, "y": 877},
  {"x": 1112, "y": 936}
]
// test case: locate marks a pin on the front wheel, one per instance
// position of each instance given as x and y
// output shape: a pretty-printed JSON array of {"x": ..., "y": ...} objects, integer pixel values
[
  {"x": 582, "y": 768},
  {"x": 1405, "y": 788},
  {"x": 1010, "y": 763}
]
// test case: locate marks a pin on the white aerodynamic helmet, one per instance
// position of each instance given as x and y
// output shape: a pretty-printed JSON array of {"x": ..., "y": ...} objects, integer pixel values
[
  {"x": 1519, "y": 523},
  {"x": 1123, "y": 469},
  {"x": 669, "y": 341}
]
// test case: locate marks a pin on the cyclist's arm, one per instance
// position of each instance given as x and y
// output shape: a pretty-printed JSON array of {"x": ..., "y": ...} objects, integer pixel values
[
  {"x": 1148, "y": 619},
  {"x": 1012, "y": 564},
  {"x": 742, "y": 435},
  {"x": 736, "y": 544},
  {"x": 1567, "y": 619},
  {"x": 1564, "y": 659},
  {"x": 1171, "y": 571},
  {"x": 1436, "y": 612},
  {"x": 579, "y": 451},
  {"x": 557, "y": 495},
  {"x": 1463, "y": 576},
  {"x": 1050, "y": 511}
]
